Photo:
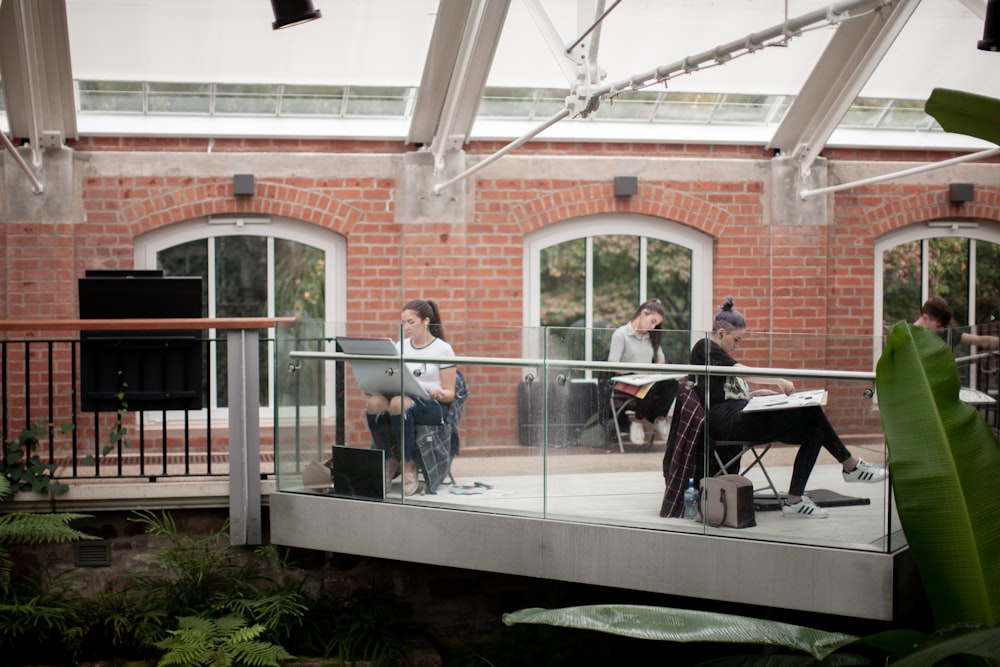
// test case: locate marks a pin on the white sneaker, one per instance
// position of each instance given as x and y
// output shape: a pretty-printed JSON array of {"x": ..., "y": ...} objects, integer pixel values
[
  {"x": 637, "y": 433},
  {"x": 865, "y": 472},
  {"x": 804, "y": 509},
  {"x": 662, "y": 429}
]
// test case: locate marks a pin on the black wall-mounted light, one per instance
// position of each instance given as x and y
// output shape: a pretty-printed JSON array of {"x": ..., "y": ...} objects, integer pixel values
[
  {"x": 242, "y": 185},
  {"x": 626, "y": 186},
  {"x": 293, "y": 12},
  {"x": 960, "y": 193},
  {"x": 991, "y": 29}
]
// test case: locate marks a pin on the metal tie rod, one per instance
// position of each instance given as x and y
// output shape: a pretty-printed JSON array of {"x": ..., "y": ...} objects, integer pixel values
[{"x": 751, "y": 42}]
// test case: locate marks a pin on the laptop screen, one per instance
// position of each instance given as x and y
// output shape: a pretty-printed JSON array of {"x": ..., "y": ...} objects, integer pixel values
[
  {"x": 380, "y": 376},
  {"x": 358, "y": 472}
]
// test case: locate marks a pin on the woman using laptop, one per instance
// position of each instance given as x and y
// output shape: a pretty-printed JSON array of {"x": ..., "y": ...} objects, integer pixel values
[
  {"x": 807, "y": 427},
  {"x": 392, "y": 416}
]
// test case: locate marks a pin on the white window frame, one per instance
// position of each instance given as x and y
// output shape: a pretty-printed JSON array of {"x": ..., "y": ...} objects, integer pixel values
[
  {"x": 333, "y": 246},
  {"x": 606, "y": 224},
  {"x": 966, "y": 229}
]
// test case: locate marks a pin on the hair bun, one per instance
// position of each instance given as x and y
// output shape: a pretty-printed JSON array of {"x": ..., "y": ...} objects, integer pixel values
[{"x": 728, "y": 305}]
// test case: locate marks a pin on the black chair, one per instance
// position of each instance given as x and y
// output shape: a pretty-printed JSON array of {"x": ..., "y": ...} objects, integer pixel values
[{"x": 729, "y": 453}]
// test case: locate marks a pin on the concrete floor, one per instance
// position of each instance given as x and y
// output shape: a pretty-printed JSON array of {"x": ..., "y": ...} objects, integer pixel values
[{"x": 627, "y": 490}]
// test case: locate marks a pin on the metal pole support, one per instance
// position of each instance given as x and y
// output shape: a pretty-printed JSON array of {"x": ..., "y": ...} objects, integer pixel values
[{"x": 242, "y": 349}]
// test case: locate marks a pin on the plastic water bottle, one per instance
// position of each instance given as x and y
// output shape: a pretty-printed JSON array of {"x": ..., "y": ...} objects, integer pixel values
[{"x": 691, "y": 501}]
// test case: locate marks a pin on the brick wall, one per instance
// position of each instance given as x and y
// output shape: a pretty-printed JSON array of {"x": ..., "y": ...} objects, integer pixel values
[{"x": 812, "y": 276}]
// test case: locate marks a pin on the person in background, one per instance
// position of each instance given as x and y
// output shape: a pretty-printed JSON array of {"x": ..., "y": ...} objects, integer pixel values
[
  {"x": 807, "y": 427},
  {"x": 396, "y": 416},
  {"x": 638, "y": 341},
  {"x": 935, "y": 314}
]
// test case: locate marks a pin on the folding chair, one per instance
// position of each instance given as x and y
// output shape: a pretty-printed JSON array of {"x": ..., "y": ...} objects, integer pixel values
[
  {"x": 620, "y": 402},
  {"x": 756, "y": 448}
]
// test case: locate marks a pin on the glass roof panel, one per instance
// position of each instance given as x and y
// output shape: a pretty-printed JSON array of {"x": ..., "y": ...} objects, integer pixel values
[
  {"x": 366, "y": 60},
  {"x": 312, "y": 101},
  {"x": 246, "y": 99},
  {"x": 184, "y": 98}
]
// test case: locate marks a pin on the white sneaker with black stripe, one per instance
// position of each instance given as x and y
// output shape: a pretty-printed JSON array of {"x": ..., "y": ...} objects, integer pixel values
[
  {"x": 865, "y": 472},
  {"x": 637, "y": 433},
  {"x": 804, "y": 509}
]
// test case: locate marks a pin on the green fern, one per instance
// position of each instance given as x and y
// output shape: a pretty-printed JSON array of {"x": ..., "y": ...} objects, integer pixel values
[
  {"x": 222, "y": 642},
  {"x": 19, "y": 528},
  {"x": 22, "y": 529}
]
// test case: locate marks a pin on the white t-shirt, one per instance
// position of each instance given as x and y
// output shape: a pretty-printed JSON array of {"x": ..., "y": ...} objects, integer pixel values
[{"x": 428, "y": 374}]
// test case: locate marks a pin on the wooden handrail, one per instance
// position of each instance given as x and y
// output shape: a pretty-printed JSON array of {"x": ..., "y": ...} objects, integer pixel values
[{"x": 168, "y": 324}]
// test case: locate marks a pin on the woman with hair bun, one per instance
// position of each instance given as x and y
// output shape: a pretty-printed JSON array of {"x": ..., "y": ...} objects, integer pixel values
[
  {"x": 396, "y": 416},
  {"x": 806, "y": 427}
]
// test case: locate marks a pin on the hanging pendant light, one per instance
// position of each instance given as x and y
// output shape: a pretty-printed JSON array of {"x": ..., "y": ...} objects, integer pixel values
[
  {"x": 293, "y": 12},
  {"x": 991, "y": 29}
]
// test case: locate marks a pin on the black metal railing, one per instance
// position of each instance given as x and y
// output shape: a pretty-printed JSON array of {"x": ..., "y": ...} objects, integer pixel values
[{"x": 40, "y": 404}]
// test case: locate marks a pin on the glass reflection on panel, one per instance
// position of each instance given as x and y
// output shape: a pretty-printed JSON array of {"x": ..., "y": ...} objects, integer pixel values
[
  {"x": 948, "y": 262},
  {"x": 190, "y": 259},
  {"x": 563, "y": 298},
  {"x": 988, "y": 284},
  {"x": 668, "y": 278},
  {"x": 901, "y": 281},
  {"x": 240, "y": 291},
  {"x": 616, "y": 279},
  {"x": 299, "y": 292}
]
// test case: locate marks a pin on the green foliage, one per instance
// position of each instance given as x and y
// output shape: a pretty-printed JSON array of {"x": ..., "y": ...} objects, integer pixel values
[
  {"x": 33, "y": 622},
  {"x": 24, "y": 529},
  {"x": 36, "y": 611},
  {"x": 684, "y": 625},
  {"x": 945, "y": 461},
  {"x": 191, "y": 575},
  {"x": 965, "y": 113},
  {"x": 364, "y": 628},
  {"x": 23, "y": 467},
  {"x": 221, "y": 642},
  {"x": 115, "y": 625}
]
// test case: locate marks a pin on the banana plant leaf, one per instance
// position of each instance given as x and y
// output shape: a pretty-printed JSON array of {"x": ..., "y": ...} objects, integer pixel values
[
  {"x": 684, "y": 625},
  {"x": 965, "y": 113},
  {"x": 944, "y": 463}
]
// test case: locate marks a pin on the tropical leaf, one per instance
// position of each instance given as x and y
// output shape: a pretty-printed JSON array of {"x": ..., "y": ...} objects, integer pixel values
[
  {"x": 684, "y": 625},
  {"x": 954, "y": 641},
  {"x": 965, "y": 113},
  {"x": 944, "y": 461}
]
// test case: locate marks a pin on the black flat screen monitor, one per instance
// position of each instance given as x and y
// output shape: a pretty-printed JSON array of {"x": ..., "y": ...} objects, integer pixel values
[{"x": 140, "y": 370}]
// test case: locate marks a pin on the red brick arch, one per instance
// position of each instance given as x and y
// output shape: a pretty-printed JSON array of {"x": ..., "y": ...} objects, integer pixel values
[
  {"x": 198, "y": 201},
  {"x": 933, "y": 205},
  {"x": 593, "y": 198}
]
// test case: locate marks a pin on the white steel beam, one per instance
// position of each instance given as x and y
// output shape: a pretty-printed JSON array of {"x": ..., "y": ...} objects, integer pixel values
[{"x": 841, "y": 72}]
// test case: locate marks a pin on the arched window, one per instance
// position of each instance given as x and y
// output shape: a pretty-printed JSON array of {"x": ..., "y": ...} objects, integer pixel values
[
  {"x": 586, "y": 277},
  {"x": 957, "y": 260},
  {"x": 258, "y": 267}
]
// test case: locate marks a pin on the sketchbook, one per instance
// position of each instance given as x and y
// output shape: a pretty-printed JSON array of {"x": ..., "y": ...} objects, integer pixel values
[
  {"x": 975, "y": 397},
  {"x": 800, "y": 399},
  {"x": 639, "y": 384}
]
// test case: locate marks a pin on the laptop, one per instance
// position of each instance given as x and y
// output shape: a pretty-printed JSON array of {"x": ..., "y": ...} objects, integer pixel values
[
  {"x": 378, "y": 376},
  {"x": 358, "y": 472}
]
